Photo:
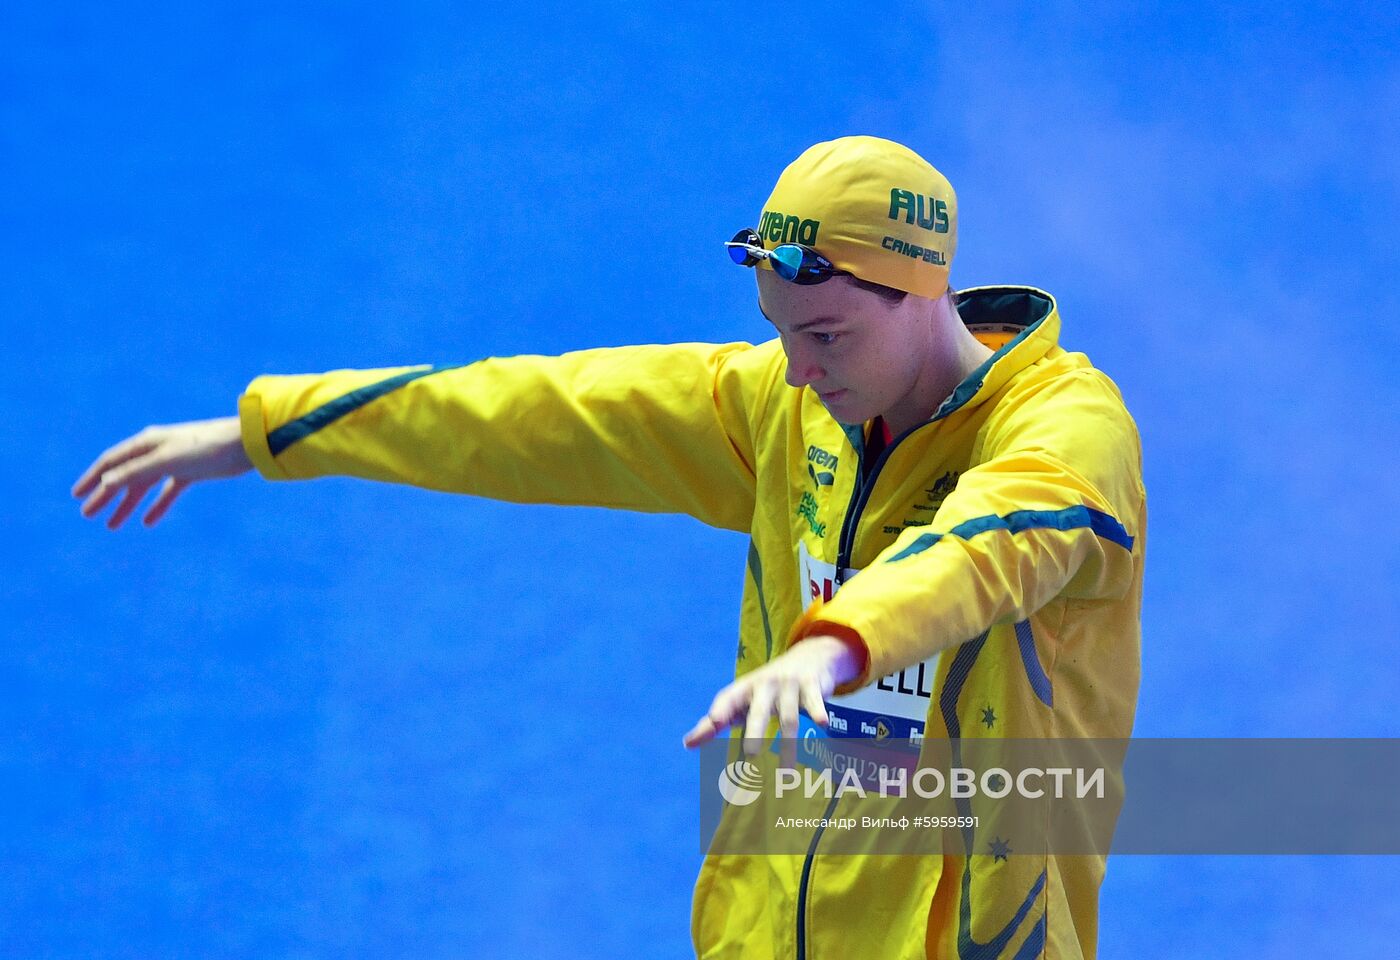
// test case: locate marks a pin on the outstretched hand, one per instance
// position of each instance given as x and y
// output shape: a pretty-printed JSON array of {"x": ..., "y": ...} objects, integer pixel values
[
  {"x": 801, "y": 678},
  {"x": 181, "y": 453}
]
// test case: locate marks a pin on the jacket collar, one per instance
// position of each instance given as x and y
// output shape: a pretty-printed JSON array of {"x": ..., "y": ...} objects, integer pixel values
[{"x": 1031, "y": 310}]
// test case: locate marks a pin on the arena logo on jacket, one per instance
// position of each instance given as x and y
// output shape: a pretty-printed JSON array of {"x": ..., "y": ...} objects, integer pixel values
[
  {"x": 892, "y": 708},
  {"x": 821, "y": 466}
]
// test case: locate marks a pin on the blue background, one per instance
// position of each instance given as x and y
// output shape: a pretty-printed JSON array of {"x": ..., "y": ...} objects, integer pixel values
[{"x": 345, "y": 719}]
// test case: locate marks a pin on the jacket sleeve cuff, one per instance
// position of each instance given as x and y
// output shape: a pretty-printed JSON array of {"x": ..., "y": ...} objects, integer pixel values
[
  {"x": 254, "y": 434},
  {"x": 812, "y": 624}
]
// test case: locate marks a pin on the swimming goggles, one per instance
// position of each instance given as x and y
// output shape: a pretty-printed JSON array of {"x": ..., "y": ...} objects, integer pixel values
[{"x": 794, "y": 262}]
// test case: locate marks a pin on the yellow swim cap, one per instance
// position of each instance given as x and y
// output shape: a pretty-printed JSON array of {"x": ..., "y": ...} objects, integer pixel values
[{"x": 872, "y": 207}]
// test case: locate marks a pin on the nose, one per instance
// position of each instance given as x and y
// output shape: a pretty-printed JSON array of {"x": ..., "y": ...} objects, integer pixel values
[{"x": 801, "y": 369}]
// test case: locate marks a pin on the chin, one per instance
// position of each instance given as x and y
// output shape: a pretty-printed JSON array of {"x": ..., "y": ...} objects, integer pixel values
[{"x": 846, "y": 410}]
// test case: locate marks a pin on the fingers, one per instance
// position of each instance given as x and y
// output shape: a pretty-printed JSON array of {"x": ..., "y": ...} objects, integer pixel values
[
  {"x": 796, "y": 682},
  {"x": 133, "y": 474},
  {"x": 101, "y": 496},
  {"x": 133, "y": 446},
  {"x": 702, "y": 732},
  {"x": 787, "y": 709},
  {"x": 727, "y": 706},
  {"x": 135, "y": 492},
  {"x": 171, "y": 489},
  {"x": 787, "y": 723},
  {"x": 712, "y": 723},
  {"x": 788, "y": 696},
  {"x": 756, "y": 723},
  {"x": 813, "y": 702}
]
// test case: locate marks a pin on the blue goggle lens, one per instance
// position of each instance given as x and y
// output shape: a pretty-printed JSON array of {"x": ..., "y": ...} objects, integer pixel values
[{"x": 786, "y": 261}]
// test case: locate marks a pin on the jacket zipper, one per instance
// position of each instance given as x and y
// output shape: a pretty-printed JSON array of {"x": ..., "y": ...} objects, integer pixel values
[
  {"x": 860, "y": 495},
  {"x": 806, "y": 874}
]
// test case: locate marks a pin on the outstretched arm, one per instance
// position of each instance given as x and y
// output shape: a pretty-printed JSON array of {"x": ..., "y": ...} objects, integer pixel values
[{"x": 657, "y": 428}]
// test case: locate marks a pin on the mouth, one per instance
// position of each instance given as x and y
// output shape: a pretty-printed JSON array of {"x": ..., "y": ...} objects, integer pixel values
[{"x": 832, "y": 396}]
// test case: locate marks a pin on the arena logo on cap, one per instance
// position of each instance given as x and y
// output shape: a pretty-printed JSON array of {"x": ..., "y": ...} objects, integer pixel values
[
  {"x": 786, "y": 228},
  {"x": 913, "y": 206}
]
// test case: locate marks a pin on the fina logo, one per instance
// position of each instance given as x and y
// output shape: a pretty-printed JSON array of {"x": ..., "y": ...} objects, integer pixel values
[{"x": 740, "y": 782}]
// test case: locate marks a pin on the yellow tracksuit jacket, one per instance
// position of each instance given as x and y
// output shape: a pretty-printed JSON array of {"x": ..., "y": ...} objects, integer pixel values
[{"x": 999, "y": 547}]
